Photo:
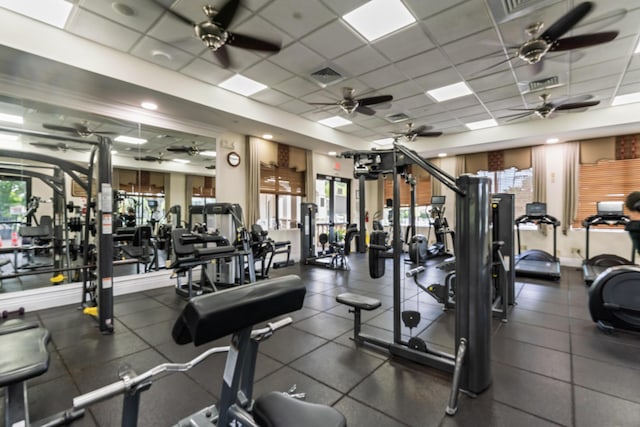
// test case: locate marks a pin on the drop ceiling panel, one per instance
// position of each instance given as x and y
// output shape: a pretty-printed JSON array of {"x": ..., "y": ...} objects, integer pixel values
[
  {"x": 169, "y": 30},
  {"x": 257, "y": 26},
  {"x": 296, "y": 87},
  {"x": 160, "y": 53},
  {"x": 404, "y": 44},
  {"x": 333, "y": 40},
  {"x": 476, "y": 46},
  {"x": 295, "y": 17},
  {"x": 424, "y": 63},
  {"x": 103, "y": 31},
  {"x": 342, "y": 7},
  {"x": 145, "y": 12},
  {"x": 457, "y": 22},
  {"x": 360, "y": 61},
  {"x": 383, "y": 77},
  {"x": 296, "y": 107},
  {"x": 298, "y": 59},
  {"x": 271, "y": 97},
  {"x": 423, "y": 9},
  {"x": 203, "y": 70},
  {"x": 267, "y": 72}
]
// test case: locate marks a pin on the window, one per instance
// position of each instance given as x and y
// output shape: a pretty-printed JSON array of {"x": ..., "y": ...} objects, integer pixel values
[
  {"x": 202, "y": 189},
  {"x": 423, "y": 198},
  {"x": 513, "y": 181},
  {"x": 608, "y": 180},
  {"x": 281, "y": 192},
  {"x": 14, "y": 195}
]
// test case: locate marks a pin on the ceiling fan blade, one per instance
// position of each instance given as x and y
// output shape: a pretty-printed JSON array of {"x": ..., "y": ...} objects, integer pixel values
[
  {"x": 428, "y": 134},
  {"x": 175, "y": 14},
  {"x": 45, "y": 145},
  {"x": 375, "y": 100},
  {"x": 566, "y": 22},
  {"x": 575, "y": 105},
  {"x": 226, "y": 13},
  {"x": 249, "y": 42},
  {"x": 475, "y": 74},
  {"x": 420, "y": 129},
  {"x": 105, "y": 132},
  {"x": 365, "y": 110},
  {"x": 585, "y": 40},
  {"x": 517, "y": 115},
  {"x": 179, "y": 149},
  {"x": 60, "y": 128},
  {"x": 222, "y": 55}
]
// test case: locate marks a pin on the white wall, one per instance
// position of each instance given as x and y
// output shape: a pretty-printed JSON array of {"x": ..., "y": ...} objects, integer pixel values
[{"x": 231, "y": 182}]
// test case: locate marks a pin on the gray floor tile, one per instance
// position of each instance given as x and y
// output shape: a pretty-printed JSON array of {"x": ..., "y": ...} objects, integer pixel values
[
  {"x": 595, "y": 409},
  {"x": 529, "y": 357},
  {"x": 543, "y": 337},
  {"x": 289, "y": 344},
  {"x": 359, "y": 415},
  {"x": 607, "y": 378}
]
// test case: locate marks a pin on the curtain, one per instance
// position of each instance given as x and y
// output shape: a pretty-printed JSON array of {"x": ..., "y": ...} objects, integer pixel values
[
  {"x": 461, "y": 165},
  {"x": 571, "y": 182},
  {"x": 436, "y": 186},
  {"x": 539, "y": 165},
  {"x": 253, "y": 181}
]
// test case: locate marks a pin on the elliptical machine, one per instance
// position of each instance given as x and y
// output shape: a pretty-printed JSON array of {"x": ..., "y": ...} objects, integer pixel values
[{"x": 614, "y": 296}]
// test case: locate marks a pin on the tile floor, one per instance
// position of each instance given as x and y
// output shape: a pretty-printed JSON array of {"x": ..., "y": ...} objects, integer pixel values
[{"x": 551, "y": 365}]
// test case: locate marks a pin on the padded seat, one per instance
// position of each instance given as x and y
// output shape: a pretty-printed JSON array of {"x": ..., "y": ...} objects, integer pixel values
[
  {"x": 24, "y": 352},
  {"x": 282, "y": 410}
]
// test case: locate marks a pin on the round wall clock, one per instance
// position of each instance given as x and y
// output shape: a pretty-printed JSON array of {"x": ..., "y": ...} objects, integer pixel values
[{"x": 233, "y": 159}]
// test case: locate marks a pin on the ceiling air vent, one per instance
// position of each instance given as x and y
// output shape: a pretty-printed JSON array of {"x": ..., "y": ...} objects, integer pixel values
[
  {"x": 326, "y": 76},
  {"x": 395, "y": 118}
]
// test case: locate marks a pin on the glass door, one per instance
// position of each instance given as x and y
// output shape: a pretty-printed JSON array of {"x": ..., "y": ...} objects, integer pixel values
[{"x": 334, "y": 207}]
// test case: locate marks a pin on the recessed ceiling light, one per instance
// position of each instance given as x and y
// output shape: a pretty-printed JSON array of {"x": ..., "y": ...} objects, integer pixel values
[
  {"x": 442, "y": 154},
  {"x": 335, "y": 121},
  {"x": 130, "y": 139},
  {"x": 183, "y": 161},
  {"x": 384, "y": 141},
  {"x": 481, "y": 124},
  {"x": 629, "y": 98},
  {"x": 267, "y": 136},
  {"x": 242, "y": 85},
  {"x": 148, "y": 105},
  {"x": 114, "y": 152},
  {"x": 8, "y": 138},
  {"x": 52, "y": 12},
  {"x": 332, "y": 153},
  {"x": 552, "y": 140},
  {"x": 209, "y": 153},
  {"x": 11, "y": 118},
  {"x": 378, "y": 18},
  {"x": 446, "y": 93}
]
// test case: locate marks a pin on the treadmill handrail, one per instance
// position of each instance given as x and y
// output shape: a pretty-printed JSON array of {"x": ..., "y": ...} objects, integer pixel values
[
  {"x": 612, "y": 220},
  {"x": 543, "y": 219}
]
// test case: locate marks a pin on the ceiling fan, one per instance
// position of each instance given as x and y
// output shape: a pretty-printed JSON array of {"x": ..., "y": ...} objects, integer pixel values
[
  {"x": 61, "y": 146},
  {"x": 159, "y": 158},
  {"x": 545, "y": 109},
  {"x": 213, "y": 167},
  {"x": 191, "y": 150},
  {"x": 534, "y": 50},
  {"x": 77, "y": 129},
  {"x": 213, "y": 32},
  {"x": 419, "y": 132},
  {"x": 349, "y": 103}
]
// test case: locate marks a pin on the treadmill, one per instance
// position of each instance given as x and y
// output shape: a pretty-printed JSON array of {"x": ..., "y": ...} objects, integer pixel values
[
  {"x": 611, "y": 214},
  {"x": 536, "y": 262}
]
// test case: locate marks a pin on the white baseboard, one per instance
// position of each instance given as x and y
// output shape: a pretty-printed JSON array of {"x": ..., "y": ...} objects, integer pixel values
[{"x": 58, "y": 295}]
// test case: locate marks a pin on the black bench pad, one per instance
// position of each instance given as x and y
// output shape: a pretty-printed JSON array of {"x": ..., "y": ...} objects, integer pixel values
[
  {"x": 215, "y": 315},
  {"x": 214, "y": 251},
  {"x": 278, "y": 409},
  {"x": 24, "y": 352},
  {"x": 358, "y": 301}
]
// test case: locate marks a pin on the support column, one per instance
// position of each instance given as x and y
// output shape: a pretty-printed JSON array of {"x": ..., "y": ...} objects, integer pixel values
[{"x": 104, "y": 209}]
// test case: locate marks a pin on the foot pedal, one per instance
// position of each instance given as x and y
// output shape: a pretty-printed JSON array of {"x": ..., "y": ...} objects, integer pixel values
[{"x": 438, "y": 292}]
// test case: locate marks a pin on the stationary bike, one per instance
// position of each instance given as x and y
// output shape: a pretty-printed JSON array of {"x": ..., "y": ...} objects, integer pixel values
[
  {"x": 614, "y": 296},
  {"x": 209, "y": 317}
]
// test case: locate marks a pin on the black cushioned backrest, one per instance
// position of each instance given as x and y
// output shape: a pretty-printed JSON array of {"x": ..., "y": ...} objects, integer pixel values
[
  {"x": 215, "y": 315},
  {"x": 143, "y": 234},
  {"x": 179, "y": 248}
]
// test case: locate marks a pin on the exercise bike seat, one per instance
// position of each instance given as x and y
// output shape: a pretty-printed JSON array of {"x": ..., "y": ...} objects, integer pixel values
[
  {"x": 276, "y": 409},
  {"x": 24, "y": 352}
]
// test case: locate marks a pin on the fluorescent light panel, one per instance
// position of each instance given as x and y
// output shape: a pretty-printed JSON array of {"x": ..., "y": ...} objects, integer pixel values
[
  {"x": 378, "y": 18},
  {"x": 442, "y": 154},
  {"x": 629, "y": 98},
  {"x": 242, "y": 85},
  {"x": 8, "y": 138},
  {"x": 52, "y": 12},
  {"x": 452, "y": 91},
  {"x": 130, "y": 140},
  {"x": 148, "y": 105},
  {"x": 183, "y": 161},
  {"x": 335, "y": 121},
  {"x": 481, "y": 124},
  {"x": 209, "y": 153},
  {"x": 267, "y": 136},
  {"x": 11, "y": 118}
]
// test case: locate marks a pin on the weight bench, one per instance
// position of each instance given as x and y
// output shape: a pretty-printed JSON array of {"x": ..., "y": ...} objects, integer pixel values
[
  {"x": 23, "y": 356},
  {"x": 187, "y": 256},
  {"x": 359, "y": 303},
  {"x": 235, "y": 311}
]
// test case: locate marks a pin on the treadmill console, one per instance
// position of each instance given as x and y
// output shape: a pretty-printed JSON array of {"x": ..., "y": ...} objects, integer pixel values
[
  {"x": 610, "y": 209},
  {"x": 438, "y": 201},
  {"x": 536, "y": 209}
]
